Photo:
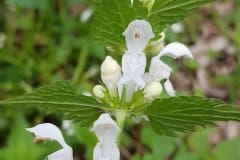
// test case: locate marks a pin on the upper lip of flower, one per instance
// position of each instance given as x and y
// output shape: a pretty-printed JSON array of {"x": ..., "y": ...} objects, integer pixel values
[
  {"x": 137, "y": 35},
  {"x": 48, "y": 131},
  {"x": 106, "y": 131}
]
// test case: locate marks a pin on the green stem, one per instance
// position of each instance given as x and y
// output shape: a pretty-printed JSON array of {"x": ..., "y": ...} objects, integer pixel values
[
  {"x": 120, "y": 118},
  {"x": 80, "y": 66}
]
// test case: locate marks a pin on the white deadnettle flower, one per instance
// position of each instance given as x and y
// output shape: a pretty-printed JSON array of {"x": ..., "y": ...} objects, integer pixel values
[
  {"x": 159, "y": 70},
  {"x": 137, "y": 35},
  {"x": 98, "y": 91},
  {"x": 106, "y": 131},
  {"x": 152, "y": 90},
  {"x": 110, "y": 74},
  {"x": 133, "y": 68},
  {"x": 48, "y": 131}
]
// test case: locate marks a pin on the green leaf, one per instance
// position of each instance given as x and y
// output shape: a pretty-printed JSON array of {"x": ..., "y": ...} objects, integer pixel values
[
  {"x": 174, "y": 115},
  {"x": 113, "y": 16},
  {"x": 20, "y": 143},
  {"x": 160, "y": 146},
  {"x": 229, "y": 149},
  {"x": 167, "y": 12},
  {"x": 61, "y": 97}
]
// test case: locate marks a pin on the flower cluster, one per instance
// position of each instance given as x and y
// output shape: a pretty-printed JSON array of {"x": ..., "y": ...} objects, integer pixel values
[
  {"x": 132, "y": 76},
  {"x": 121, "y": 83},
  {"x": 106, "y": 131}
]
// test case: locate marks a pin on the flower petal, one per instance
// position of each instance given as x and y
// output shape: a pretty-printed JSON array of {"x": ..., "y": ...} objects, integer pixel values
[
  {"x": 63, "y": 154},
  {"x": 158, "y": 70},
  {"x": 152, "y": 91},
  {"x": 133, "y": 68},
  {"x": 176, "y": 50},
  {"x": 137, "y": 35},
  {"x": 106, "y": 129},
  {"x": 130, "y": 88},
  {"x": 110, "y": 74},
  {"x": 106, "y": 152},
  {"x": 47, "y": 131},
  {"x": 169, "y": 88}
]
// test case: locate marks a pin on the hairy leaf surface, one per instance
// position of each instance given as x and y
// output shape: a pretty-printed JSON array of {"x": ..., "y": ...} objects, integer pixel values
[
  {"x": 60, "y": 97},
  {"x": 174, "y": 115}
]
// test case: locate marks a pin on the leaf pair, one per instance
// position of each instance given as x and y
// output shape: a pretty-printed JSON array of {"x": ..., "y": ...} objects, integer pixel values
[
  {"x": 61, "y": 98},
  {"x": 168, "y": 116}
]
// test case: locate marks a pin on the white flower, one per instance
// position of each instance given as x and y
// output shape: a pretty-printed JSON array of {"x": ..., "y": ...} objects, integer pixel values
[
  {"x": 176, "y": 50},
  {"x": 152, "y": 90},
  {"x": 106, "y": 131},
  {"x": 110, "y": 74},
  {"x": 86, "y": 15},
  {"x": 98, "y": 91},
  {"x": 137, "y": 35},
  {"x": 48, "y": 131},
  {"x": 159, "y": 70},
  {"x": 106, "y": 152},
  {"x": 133, "y": 68}
]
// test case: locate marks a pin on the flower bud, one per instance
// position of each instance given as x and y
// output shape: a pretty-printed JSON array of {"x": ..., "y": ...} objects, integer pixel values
[
  {"x": 98, "y": 91},
  {"x": 148, "y": 3},
  {"x": 152, "y": 91},
  {"x": 110, "y": 74},
  {"x": 155, "y": 46}
]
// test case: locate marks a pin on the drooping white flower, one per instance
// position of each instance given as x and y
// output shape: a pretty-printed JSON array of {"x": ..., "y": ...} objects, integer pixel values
[
  {"x": 176, "y": 50},
  {"x": 152, "y": 90},
  {"x": 110, "y": 74},
  {"x": 98, "y": 91},
  {"x": 159, "y": 70},
  {"x": 106, "y": 131},
  {"x": 48, "y": 131},
  {"x": 137, "y": 35}
]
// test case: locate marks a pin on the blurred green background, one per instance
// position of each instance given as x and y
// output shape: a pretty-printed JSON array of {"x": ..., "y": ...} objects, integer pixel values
[{"x": 46, "y": 40}]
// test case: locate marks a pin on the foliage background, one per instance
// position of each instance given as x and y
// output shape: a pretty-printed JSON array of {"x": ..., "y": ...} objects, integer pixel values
[{"x": 46, "y": 41}]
